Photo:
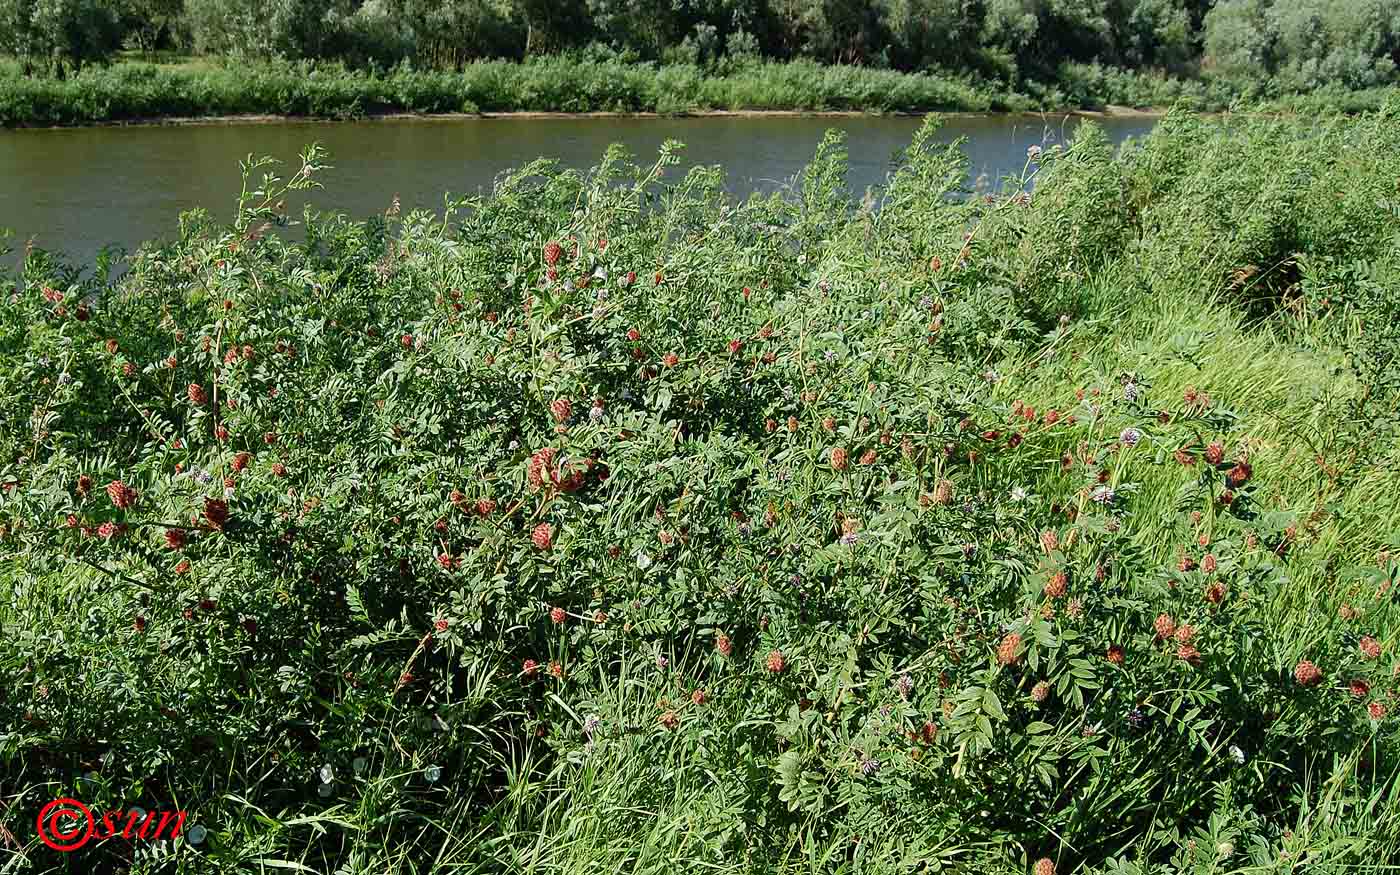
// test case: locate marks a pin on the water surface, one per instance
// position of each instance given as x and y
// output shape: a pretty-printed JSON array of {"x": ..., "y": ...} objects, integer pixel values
[{"x": 75, "y": 190}]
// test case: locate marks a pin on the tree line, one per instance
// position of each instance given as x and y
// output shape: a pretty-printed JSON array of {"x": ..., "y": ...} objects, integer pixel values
[{"x": 1303, "y": 44}]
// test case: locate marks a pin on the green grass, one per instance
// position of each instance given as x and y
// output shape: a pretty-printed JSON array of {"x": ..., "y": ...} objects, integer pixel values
[{"x": 1251, "y": 260}]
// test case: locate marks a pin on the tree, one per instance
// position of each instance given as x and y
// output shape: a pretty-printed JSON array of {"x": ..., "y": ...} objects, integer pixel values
[
  {"x": 1306, "y": 43},
  {"x": 1153, "y": 33},
  {"x": 934, "y": 33},
  {"x": 146, "y": 21},
  {"x": 59, "y": 35},
  {"x": 264, "y": 28},
  {"x": 551, "y": 25},
  {"x": 1238, "y": 39}
]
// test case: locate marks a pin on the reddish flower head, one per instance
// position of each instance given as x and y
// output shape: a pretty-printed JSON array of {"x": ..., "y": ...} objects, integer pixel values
[
  {"x": 122, "y": 496},
  {"x": 1115, "y": 654},
  {"x": 543, "y": 536},
  {"x": 723, "y": 644},
  {"x": 1057, "y": 585},
  {"x": 1359, "y": 688},
  {"x": 838, "y": 458},
  {"x": 557, "y": 616},
  {"x": 175, "y": 538},
  {"x": 1044, "y": 866},
  {"x": 216, "y": 512},
  {"x": 1009, "y": 651},
  {"x": 775, "y": 662},
  {"x": 1307, "y": 674},
  {"x": 1164, "y": 625},
  {"x": 1370, "y": 647}
]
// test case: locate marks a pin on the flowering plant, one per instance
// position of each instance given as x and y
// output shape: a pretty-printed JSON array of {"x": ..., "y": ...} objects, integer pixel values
[{"x": 819, "y": 518}]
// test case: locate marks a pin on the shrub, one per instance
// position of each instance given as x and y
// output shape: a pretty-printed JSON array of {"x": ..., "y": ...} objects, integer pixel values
[{"x": 541, "y": 502}]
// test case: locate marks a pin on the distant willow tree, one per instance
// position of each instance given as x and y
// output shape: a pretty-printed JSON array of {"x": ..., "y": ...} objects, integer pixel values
[
  {"x": 1306, "y": 43},
  {"x": 265, "y": 28},
  {"x": 149, "y": 22},
  {"x": 59, "y": 36}
]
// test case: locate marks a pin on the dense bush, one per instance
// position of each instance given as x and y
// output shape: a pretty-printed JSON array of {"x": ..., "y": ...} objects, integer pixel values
[
  {"x": 130, "y": 91},
  {"x": 1008, "y": 44},
  {"x": 141, "y": 91},
  {"x": 612, "y": 524}
]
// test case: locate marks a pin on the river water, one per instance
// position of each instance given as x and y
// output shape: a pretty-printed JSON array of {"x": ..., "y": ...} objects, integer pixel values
[{"x": 76, "y": 190}]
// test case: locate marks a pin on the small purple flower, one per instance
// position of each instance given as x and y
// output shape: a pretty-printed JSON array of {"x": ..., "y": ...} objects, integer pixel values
[
  {"x": 1130, "y": 436},
  {"x": 795, "y": 580},
  {"x": 849, "y": 539},
  {"x": 869, "y": 765},
  {"x": 745, "y": 529},
  {"x": 662, "y": 661},
  {"x": 1103, "y": 495},
  {"x": 905, "y": 685},
  {"x": 591, "y": 724},
  {"x": 1130, "y": 391},
  {"x": 926, "y": 302}
]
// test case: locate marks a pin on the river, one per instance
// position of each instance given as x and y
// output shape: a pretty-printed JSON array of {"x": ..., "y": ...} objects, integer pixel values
[{"x": 76, "y": 190}]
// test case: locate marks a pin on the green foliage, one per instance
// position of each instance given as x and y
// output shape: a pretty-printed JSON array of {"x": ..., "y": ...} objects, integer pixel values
[
  {"x": 1306, "y": 43},
  {"x": 1012, "y": 54},
  {"x": 135, "y": 90},
  {"x": 58, "y": 36},
  {"x": 609, "y": 523}
]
